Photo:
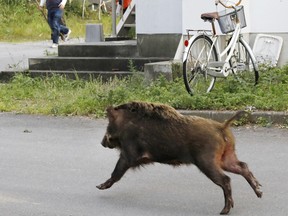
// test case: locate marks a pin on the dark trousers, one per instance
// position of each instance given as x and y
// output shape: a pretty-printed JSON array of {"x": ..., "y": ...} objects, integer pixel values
[{"x": 55, "y": 23}]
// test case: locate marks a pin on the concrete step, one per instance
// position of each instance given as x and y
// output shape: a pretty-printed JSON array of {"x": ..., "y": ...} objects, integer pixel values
[
  {"x": 100, "y": 49},
  {"x": 91, "y": 63}
]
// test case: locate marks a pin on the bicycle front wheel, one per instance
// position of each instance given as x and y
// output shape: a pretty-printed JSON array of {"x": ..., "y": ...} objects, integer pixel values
[
  {"x": 200, "y": 53},
  {"x": 243, "y": 65}
]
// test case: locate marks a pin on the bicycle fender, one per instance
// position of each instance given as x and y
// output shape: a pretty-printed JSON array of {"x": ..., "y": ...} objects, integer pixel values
[
  {"x": 251, "y": 53},
  {"x": 185, "y": 53}
]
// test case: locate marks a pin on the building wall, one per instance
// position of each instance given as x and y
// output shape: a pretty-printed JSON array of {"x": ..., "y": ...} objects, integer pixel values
[
  {"x": 175, "y": 16},
  {"x": 268, "y": 16},
  {"x": 159, "y": 27},
  {"x": 159, "y": 16},
  {"x": 159, "y": 20}
]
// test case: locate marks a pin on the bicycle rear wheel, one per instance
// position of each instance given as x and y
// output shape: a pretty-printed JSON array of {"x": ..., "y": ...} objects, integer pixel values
[
  {"x": 195, "y": 76},
  {"x": 243, "y": 65}
]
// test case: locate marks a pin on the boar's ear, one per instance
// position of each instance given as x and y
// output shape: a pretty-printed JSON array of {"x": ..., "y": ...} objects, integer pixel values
[{"x": 112, "y": 114}]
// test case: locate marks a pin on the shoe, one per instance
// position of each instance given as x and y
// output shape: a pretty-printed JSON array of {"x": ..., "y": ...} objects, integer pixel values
[
  {"x": 62, "y": 37},
  {"x": 66, "y": 36},
  {"x": 54, "y": 45}
]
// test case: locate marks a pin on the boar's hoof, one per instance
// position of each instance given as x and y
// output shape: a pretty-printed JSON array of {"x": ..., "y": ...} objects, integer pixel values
[
  {"x": 105, "y": 185},
  {"x": 225, "y": 211},
  {"x": 227, "y": 207},
  {"x": 259, "y": 193},
  {"x": 102, "y": 187},
  {"x": 258, "y": 190}
]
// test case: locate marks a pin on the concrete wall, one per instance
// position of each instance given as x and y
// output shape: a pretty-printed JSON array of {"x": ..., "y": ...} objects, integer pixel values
[
  {"x": 158, "y": 45},
  {"x": 159, "y": 27}
]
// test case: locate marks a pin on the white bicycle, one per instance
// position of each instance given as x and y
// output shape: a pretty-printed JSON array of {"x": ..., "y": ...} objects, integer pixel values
[{"x": 203, "y": 61}]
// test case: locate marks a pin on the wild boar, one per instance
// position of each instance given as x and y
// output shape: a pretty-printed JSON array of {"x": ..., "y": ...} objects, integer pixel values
[{"x": 149, "y": 132}]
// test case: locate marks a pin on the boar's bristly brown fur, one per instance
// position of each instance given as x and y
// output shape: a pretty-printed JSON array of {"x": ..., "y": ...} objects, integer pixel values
[{"x": 149, "y": 132}]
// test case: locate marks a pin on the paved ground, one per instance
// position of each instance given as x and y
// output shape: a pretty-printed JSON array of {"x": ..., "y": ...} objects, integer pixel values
[
  {"x": 14, "y": 56},
  {"x": 51, "y": 165}
]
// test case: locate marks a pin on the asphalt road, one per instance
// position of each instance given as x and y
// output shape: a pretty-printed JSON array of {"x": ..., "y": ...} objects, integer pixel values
[{"x": 51, "y": 165}]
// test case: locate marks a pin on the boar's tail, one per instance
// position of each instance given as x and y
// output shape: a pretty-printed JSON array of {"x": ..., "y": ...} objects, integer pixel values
[{"x": 236, "y": 116}]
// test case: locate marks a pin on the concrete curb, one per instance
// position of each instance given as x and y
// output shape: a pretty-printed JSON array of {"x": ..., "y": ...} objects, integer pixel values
[{"x": 262, "y": 117}]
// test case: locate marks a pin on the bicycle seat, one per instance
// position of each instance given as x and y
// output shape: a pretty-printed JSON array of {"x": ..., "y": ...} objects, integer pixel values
[{"x": 210, "y": 16}]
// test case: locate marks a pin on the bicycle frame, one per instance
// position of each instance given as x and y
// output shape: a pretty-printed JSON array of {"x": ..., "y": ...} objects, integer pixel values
[
  {"x": 220, "y": 68},
  {"x": 205, "y": 59},
  {"x": 215, "y": 69}
]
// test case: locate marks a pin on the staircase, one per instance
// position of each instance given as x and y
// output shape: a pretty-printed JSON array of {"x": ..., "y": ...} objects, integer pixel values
[
  {"x": 127, "y": 21},
  {"x": 99, "y": 59}
]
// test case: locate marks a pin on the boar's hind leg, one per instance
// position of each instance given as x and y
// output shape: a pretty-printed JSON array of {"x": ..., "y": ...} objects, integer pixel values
[
  {"x": 218, "y": 177},
  {"x": 241, "y": 168},
  {"x": 120, "y": 169}
]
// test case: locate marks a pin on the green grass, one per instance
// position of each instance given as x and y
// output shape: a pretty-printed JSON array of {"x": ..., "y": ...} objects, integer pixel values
[
  {"x": 57, "y": 95},
  {"x": 22, "y": 21}
]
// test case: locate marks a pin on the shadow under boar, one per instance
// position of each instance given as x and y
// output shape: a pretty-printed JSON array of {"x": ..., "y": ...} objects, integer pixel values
[{"x": 148, "y": 132}]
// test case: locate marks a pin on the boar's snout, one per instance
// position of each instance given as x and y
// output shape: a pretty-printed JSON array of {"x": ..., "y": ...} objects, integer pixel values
[
  {"x": 105, "y": 141},
  {"x": 108, "y": 142}
]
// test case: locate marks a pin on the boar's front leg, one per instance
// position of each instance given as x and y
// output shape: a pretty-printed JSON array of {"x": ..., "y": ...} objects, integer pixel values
[{"x": 121, "y": 167}]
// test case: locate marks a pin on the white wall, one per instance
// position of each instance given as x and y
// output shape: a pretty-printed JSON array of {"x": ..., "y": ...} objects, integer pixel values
[
  {"x": 159, "y": 16},
  {"x": 261, "y": 15},
  {"x": 175, "y": 16},
  {"x": 192, "y": 10},
  {"x": 170, "y": 16},
  {"x": 268, "y": 15}
]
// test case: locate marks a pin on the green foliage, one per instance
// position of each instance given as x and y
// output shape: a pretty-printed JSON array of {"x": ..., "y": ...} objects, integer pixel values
[
  {"x": 58, "y": 95},
  {"x": 21, "y": 20},
  {"x": 15, "y": 2},
  {"x": 75, "y": 8},
  {"x": 264, "y": 122}
]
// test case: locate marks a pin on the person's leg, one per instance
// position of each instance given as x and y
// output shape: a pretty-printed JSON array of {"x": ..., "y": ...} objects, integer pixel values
[
  {"x": 55, "y": 19},
  {"x": 50, "y": 20},
  {"x": 64, "y": 30}
]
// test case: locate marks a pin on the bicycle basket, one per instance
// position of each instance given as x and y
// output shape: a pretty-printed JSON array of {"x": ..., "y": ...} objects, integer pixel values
[{"x": 227, "y": 18}]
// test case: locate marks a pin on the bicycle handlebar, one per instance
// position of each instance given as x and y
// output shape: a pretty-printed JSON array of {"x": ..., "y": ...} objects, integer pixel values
[{"x": 227, "y": 6}]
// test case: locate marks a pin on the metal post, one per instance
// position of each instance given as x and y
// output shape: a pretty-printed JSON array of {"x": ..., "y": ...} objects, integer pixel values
[
  {"x": 113, "y": 18},
  {"x": 83, "y": 9},
  {"x": 99, "y": 8}
]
